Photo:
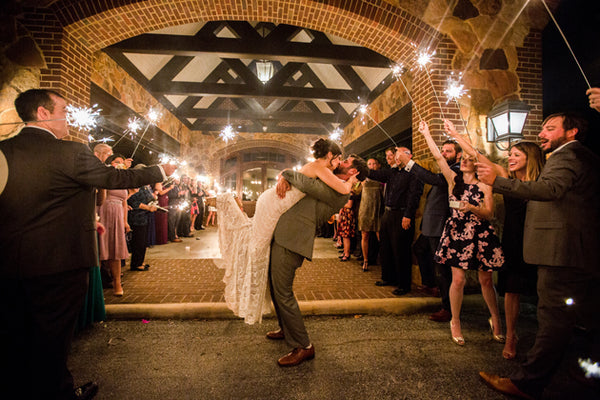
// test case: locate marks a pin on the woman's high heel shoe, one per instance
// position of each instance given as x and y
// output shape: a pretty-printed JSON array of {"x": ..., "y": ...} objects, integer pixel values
[
  {"x": 510, "y": 354},
  {"x": 459, "y": 340},
  {"x": 365, "y": 266},
  {"x": 498, "y": 338}
]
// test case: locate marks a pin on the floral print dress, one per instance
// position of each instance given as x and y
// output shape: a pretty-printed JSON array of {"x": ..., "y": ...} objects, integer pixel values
[{"x": 468, "y": 241}]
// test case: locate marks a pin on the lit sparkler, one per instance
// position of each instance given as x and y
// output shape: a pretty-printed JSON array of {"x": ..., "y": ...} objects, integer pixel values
[
  {"x": 592, "y": 369},
  {"x": 454, "y": 91},
  {"x": 134, "y": 125},
  {"x": 424, "y": 58},
  {"x": 183, "y": 205},
  {"x": 227, "y": 133},
  {"x": 336, "y": 135},
  {"x": 152, "y": 117},
  {"x": 83, "y": 118},
  {"x": 398, "y": 70}
]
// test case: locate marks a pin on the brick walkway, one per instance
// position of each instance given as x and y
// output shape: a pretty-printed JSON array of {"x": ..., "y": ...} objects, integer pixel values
[{"x": 200, "y": 281}]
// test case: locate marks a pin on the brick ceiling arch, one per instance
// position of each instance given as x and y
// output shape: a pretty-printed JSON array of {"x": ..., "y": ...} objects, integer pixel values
[{"x": 97, "y": 24}]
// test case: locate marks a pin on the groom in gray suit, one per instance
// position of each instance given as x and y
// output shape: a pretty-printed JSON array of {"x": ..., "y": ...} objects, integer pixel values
[
  {"x": 561, "y": 237},
  {"x": 293, "y": 241}
]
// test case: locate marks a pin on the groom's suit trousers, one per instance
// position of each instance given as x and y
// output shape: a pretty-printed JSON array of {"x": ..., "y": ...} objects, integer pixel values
[{"x": 283, "y": 265}]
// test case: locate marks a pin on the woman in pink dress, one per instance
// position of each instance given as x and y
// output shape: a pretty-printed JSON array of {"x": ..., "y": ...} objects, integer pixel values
[{"x": 113, "y": 215}]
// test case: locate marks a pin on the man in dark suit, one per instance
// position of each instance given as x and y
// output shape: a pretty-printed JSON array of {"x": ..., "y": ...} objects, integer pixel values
[
  {"x": 434, "y": 217},
  {"x": 293, "y": 241},
  {"x": 47, "y": 242},
  {"x": 402, "y": 193},
  {"x": 561, "y": 236}
]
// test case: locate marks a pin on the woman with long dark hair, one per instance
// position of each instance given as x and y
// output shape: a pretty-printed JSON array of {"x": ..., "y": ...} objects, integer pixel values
[{"x": 468, "y": 241}]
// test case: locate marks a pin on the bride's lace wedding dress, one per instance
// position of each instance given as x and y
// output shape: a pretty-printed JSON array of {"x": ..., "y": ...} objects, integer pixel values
[{"x": 245, "y": 245}]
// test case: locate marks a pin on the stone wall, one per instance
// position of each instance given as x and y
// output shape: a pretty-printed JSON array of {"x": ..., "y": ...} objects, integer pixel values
[
  {"x": 495, "y": 45},
  {"x": 107, "y": 74},
  {"x": 21, "y": 62}
]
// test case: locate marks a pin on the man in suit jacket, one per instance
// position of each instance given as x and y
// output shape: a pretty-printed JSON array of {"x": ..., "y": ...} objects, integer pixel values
[
  {"x": 293, "y": 241},
  {"x": 434, "y": 217},
  {"x": 561, "y": 236},
  {"x": 47, "y": 242}
]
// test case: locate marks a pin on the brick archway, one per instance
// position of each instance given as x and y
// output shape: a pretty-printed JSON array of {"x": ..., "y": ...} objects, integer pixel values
[
  {"x": 95, "y": 24},
  {"x": 72, "y": 30}
]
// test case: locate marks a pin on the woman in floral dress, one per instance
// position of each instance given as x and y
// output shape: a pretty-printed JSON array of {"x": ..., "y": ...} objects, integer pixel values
[{"x": 468, "y": 240}]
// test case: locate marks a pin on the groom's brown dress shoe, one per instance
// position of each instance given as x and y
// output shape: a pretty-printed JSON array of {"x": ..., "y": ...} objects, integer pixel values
[
  {"x": 276, "y": 335},
  {"x": 503, "y": 385},
  {"x": 297, "y": 356}
]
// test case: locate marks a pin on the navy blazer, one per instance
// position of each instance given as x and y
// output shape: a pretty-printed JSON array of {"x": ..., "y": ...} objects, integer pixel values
[
  {"x": 47, "y": 208},
  {"x": 436, "y": 209}
]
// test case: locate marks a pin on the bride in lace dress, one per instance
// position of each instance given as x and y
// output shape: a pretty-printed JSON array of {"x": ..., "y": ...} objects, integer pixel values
[{"x": 245, "y": 242}]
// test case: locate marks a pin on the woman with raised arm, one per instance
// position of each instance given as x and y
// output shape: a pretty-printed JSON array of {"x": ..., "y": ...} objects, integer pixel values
[
  {"x": 525, "y": 162},
  {"x": 468, "y": 240},
  {"x": 245, "y": 242}
]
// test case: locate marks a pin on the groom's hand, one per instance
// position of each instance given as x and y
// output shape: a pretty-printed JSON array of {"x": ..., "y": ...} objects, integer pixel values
[{"x": 282, "y": 186}]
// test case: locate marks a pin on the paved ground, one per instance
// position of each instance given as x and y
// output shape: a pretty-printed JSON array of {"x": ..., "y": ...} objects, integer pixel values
[
  {"x": 369, "y": 343},
  {"x": 361, "y": 357},
  {"x": 185, "y": 273}
]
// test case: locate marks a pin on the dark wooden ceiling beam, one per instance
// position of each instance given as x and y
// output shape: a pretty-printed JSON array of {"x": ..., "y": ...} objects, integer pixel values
[
  {"x": 243, "y": 71},
  {"x": 270, "y": 128},
  {"x": 237, "y": 90},
  {"x": 173, "y": 67},
  {"x": 255, "y": 49},
  {"x": 314, "y": 116}
]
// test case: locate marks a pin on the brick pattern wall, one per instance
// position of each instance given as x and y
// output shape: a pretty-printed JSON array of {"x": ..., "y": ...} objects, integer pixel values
[
  {"x": 424, "y": 92},
  {"x": 58, "y": 54},
  {"x": 530, "y": 76},
  {"x": 99, "y": 23}
]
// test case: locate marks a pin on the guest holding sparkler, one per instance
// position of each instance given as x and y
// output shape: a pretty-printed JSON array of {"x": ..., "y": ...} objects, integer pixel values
[
  {"x": 561, "y": 237},
  {"x": 137, "y": 217},
  {"x": 47, "y": 191},
  {"x": 113, "y": 215},
  {"x": 525, "y": 162},
  {"x": 435, "y": 213},
  {"x": 594, "y": 96},
  {"x": 468, "y": 240}
]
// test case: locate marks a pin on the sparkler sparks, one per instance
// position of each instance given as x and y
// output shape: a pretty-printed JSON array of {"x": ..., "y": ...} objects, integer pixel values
[
  {"x": 183, "y": 205},
  {"x": 134, "y": 125},
  {"x": 592, "y": 369},
  {"x": 454, "y": 89},
  {"x": 424, "y": 58},
  {"x": 153, "y": 116},
  {"x": 227, "y": 133},
  {"x": 83, "y": 118},
  {"x": 336, "y": 135},
  {"x": 569, "y": 301}
]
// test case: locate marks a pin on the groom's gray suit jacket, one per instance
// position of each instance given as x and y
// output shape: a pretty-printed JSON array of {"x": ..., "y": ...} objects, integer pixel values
[{"x": 296, "y": 228}]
